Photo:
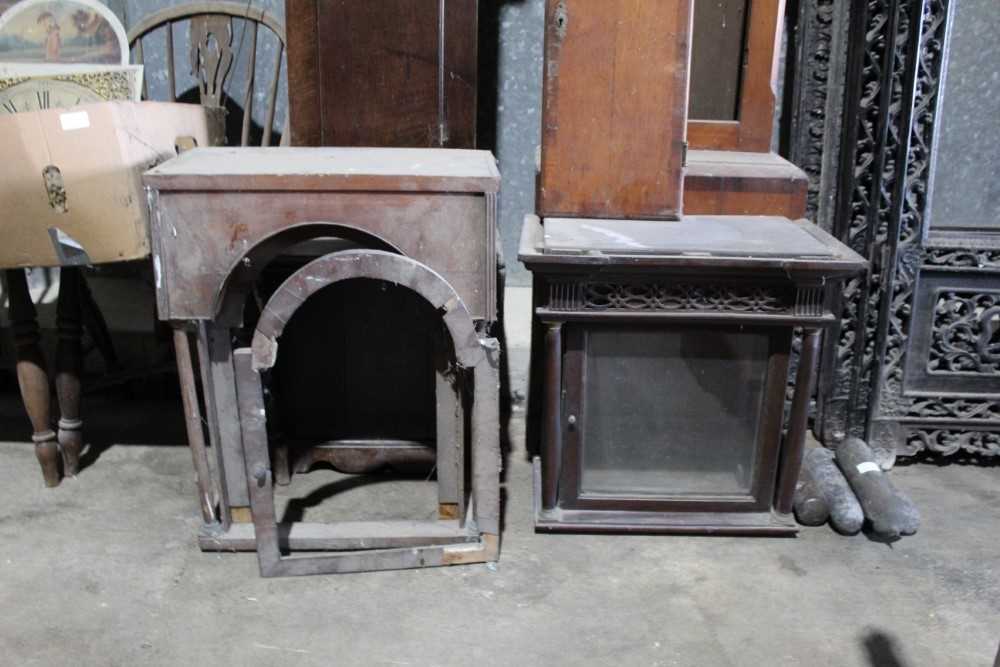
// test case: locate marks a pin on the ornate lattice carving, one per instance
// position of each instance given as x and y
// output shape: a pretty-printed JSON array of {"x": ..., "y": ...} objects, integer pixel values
[
  {"x": 939, "y": 407},
  {"x": 869, "y": 113},
  {"x": 656, "y": 296},
  {"x": 895, "y": 90},
  {"x": 953, "y": 442},
  {"x": 962, "y": 336},
  {"x": 882, "y": 222},
  {"x": 909, "y": 253},
  {"x": 980, "y": 258},
  {"x": 817, "y": 25}
]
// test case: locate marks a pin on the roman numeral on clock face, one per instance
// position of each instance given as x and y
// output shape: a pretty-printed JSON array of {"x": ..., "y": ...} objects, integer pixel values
[
  {"x": 43, "y": 99},
  {"x": 10, "y": 106}
]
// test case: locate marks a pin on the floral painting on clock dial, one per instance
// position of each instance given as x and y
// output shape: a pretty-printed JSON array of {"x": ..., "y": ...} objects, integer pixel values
[{"x": 60, "y": 32}]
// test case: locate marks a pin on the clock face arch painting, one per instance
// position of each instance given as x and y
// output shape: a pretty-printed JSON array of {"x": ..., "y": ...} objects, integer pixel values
[{"x": 61, "y": 32}]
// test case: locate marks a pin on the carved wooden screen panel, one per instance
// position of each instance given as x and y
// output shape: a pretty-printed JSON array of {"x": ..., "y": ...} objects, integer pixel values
[{"x": 913, "y": 365}]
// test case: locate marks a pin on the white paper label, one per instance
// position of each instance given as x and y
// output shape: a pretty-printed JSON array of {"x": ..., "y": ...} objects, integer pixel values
[
  {"x": 156, "y": 271},
  {"x": 76, "y": 120},
  {"x": 868, "y": 466}
]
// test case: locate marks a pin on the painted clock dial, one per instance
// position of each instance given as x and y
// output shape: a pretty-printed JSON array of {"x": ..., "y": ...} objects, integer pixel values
[{"x": 40, "y": 94}]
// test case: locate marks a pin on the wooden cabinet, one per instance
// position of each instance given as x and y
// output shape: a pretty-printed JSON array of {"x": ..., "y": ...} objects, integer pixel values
[
  {"x": 614, "y": 108},
  {"x": 399, "y": 73},
  {"x": 664, "y": 348}
]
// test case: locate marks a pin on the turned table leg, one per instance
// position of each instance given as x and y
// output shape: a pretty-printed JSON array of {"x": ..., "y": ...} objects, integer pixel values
[
  {"x": 32, "y": 377},
  {"x": 69, "y": 365}
]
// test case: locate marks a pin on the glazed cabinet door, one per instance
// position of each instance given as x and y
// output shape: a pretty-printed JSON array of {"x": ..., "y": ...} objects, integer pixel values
[{"x": 672, "y": 417}]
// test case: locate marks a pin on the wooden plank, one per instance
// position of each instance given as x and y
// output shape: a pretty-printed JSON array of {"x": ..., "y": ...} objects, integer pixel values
[
  {"x": 305, "y": 94},
  {"x": 740, "y": 183},
  {"x": 328, "y": 169},
  {"x": 260, "y": 481},
  {"x": 251, "y": 79},
  {"x": 486, "y": 460},
  {"x": 758, "y": 97},
  {"x": 441, "y": 231},
  {"x": 211, "y": 421},
  {"x": 460, "y": 72},
  {"x": 341, "y": 536},
  {"x": 615, "y": 108},
  {"x": 386, "y": 73},
  {"x": 193, "y": 421},
  {"x": 223, "y": 416},
  {"x": 272, "y": 98},
  {"x": 450, "y": 432}
]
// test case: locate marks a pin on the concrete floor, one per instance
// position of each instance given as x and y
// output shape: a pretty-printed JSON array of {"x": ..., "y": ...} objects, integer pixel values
[{"x": 104, "y": 570}]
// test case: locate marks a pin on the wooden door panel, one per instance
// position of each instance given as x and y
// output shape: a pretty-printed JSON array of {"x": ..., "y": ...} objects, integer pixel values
[{"x": 615, "y": 108}]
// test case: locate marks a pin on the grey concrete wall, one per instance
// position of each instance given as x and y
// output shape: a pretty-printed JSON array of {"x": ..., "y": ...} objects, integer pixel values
[{"x": 519, "y": 125}]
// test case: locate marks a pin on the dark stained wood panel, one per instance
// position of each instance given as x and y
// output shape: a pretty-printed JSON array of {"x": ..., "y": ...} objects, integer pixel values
[
  {"x": 302, "y": 45},
  {"x": 615, "y": 108},
  {"x": 387, "y": 73}
]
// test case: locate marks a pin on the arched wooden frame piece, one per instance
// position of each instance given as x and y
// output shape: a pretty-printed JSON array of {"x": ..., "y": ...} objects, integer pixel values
[
  {"x": 207, "y": 19},
  {"x": 376, "y": 265},
  {"x": 753, "y": 128},
  {"x": 246, "y": 269},
  {"x": 408, "y": 544}
]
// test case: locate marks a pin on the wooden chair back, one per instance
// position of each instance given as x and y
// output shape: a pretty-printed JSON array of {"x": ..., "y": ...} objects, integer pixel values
[{"x": 212, "y": 27}]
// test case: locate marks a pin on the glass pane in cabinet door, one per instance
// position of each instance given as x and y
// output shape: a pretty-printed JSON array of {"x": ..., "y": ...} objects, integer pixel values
[{"x": 671, "y": 411}]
